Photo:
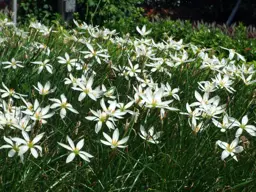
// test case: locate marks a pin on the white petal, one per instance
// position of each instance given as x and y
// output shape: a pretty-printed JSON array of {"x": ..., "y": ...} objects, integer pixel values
[
  {"x": 71, "y": 143},
  {"x": 239, "y": 132},
  {"x": 224, "y": 155},
  {"x": 245, "y": 120},
  {"x": 80, "y": 144},
  {"x": 63, "y": 113},
  {"x": 105, "y": 142},
  {"x": 65, "y": 146},
  {"x": 124, "y": 140},
  {"x": 70, "y": 157},
  {"x": 238, "y": 149},
  {"x": 115, "y": 136},
  {"x": 23, "y": 149},
  {"x": 107, "y": 137},
  {"x": 34, "y": 152},
  {"x": 37, "y": 138},
  {"x": 25, "y": 136},
  {"x": 11, "y": 153}
]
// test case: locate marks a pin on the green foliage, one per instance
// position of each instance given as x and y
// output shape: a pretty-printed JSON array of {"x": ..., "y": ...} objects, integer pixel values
[
  {"x": 101, "y": 12},
  {"x": 36, "y": 10}
]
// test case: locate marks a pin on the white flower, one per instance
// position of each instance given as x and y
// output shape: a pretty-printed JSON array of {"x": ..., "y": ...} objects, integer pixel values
[
  {"x": 178, "y": 61},
  {"x": 124, "y": 108},
  {"x": 10, "y": 93},
  {"x": 171, "y": 92},
  {"x": 247, "y": 80},
  {"x": 193, "y": 114},
  {"x": 132, "y": 70},
  {"x": 96, "y": 54},
  {"x": 28, "y": 144},
  {"x": 111, "y": 109},
  {"x": 207, "y": 86},
  {"x": 42, "y": 65},
  {"x": 86, "y": 89},
  {"x": 101, "y": 117},
  {"x": 150, "y": 136},
  {"x": 71, "y": 80},
  {"x": 67, "y": 61},
  {"x": 143, "y": 32},
  {"x": 23, "y": 124},
  {"x": 14, "y": 147},
  {"x": 62, "y": 105},
  {"x": 75, "y": 150},
  {"x": 44, "y": 90},
  {"x": 230, "y": 149},
  {"x": 202, "y": 101},
  {"x": 8, "y": 119},
  {"x": 40, "y": 114},
  {"x": 114, "y": 142},
  {"x": 12, "y": 64},
  {"x": 224, "y": 82},
  {"x": 232, "y": 53},
  {"x": 154, "y": 99},
  {"x": 251, "y": 129},
  {"x": 197, "y": 127},
  {"x": 227, "y": 123}
]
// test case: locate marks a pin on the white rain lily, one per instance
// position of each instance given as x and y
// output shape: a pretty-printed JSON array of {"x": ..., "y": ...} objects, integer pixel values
[
  {"x": 207, "y": 86},
  {"x": 101, "y": 117},
  {"x": 230, "y": 149},
  {"x": 111, "y": 109},
  {"x": 251, "y": 129},
  {"x": 40, "y": 114},
  {"x": 232, "y": 53},
  {"x": 85, "y": 87},
  {"x": 154, "y": 99},
  {"x": 8, "y": 119},
  {"x": 75, "y": 150},
  {"x": 125, "y": 108},
  {"x": 197, "y": 127},
  {"x": 108, "y": 93},
  {"x": 149, "y": 135},
  {"x": 71, "y": 80},
  {"x": 23, "y": 124},
  {"x": 193, "y": 114},
  {"x": 15, "y": 147},
  {"x": 10, "y": 93},
  {"x": 202, "y": 101},
  {"x": 67, "y": 61},
  {"x": 114, "y": 142},
  {"x": 178, "y": 61},
  {"x": 44, "y": 90},
  {"x": 227, "y": 123},
  {"x": 28, "y": 144},
  {"x": 143, "y": 31},
  {"x": 224, "y": 82},
  {"x": 171, "y": 92},
  {"x": 132, "y": 70},
  {"x": 12, "y": 64},
  {"x": 248, "y": 80},
  {"x": 96, "y": 54},
  {"x": 43, "y": 64},
  {"x": 62, "y": 105}
]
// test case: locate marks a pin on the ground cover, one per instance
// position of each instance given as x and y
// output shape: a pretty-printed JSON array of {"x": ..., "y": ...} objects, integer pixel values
[{"x": 88, "y": 110}]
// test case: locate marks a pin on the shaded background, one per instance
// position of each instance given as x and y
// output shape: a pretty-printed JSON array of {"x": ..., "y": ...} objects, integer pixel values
[{"x": 207, "y": 10}]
